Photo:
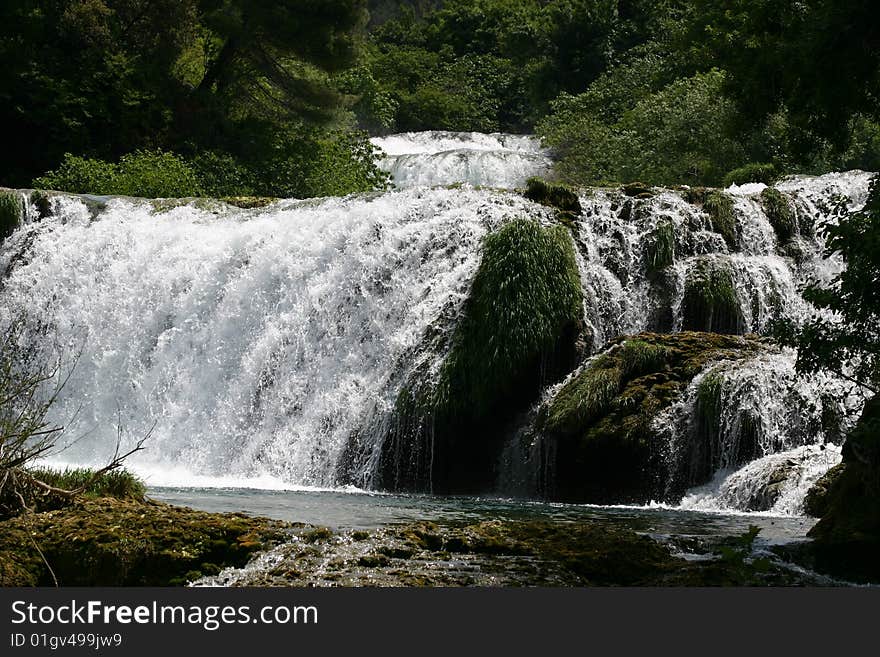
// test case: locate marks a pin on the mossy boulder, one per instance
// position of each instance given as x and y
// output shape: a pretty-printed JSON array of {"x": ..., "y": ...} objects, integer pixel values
[
  {"x": 847, "y": 537},
  {"x": 780, "y": 212},
  {"x": 602, "y": 446},
  {"x": 11, "y": 212},
  {"x": 638, "y": 190},
  {"x": 554, "y": 195},
  {"x": 519, "y": 330},
  {"x": 660, "y": 247},
  {"x": 710, "y": 302},
  {"x": 720, "y": 208},
  {"x": 110, "y": 542}
]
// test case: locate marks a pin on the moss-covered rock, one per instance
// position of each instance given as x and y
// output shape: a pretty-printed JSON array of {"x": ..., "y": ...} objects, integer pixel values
[
  {"x": 248, "y": 202},
  {"x": 638, "y": 190},
  {"x": 660, "y": 247},
  {"x": 518, "y": 331},
  {"x": 817, "y": 501},
  {"x": 847, "y": 537},
  {"x": 780, "y": 213},
  {"x": 554, "y": 195},
  {"x": 710, "y": 302},
  {"x": 109, "y": 542},
  {"x": 11, "y": 212},
  {"x": 598, "y": 427},
  {"x": 42, "y": 203}
]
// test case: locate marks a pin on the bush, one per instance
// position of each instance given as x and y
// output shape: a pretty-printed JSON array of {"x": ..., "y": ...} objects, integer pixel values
[
  {"x": 752, "y": 173},
  {"x": 150, "y": 174},
  {"x": 682, "y": 133},
  {"x": 298, "y": 166}
]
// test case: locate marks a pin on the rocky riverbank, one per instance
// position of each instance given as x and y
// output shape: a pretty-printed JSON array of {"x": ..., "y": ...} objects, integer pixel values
[{"x": 112, "y": 542}]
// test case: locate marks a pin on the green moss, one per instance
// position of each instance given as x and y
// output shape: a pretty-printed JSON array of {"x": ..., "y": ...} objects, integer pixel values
[
  {"x": 518, "y": 331},
  {"x": 41, "y": 201},
  {"x": 601, "y": 421},
  {"x": 586, "y": 397},
  {"x": 719, "y": 207},
  {"x": 526, "y": 293},
  {"x": 752, "y": 173},
  {"x": 554, "y": 195},
  {"x": 818, "y": 499},
  {"x": 638, "y": 190},
  {"x": 11, "y": 212},
  {"x": 108, "y": 542},
  {"x": 248, "y": 202},
  {"x": 710, "y": 302},
  {"x": 780, "y": 213},
  {"x": 660, "y": 247}
]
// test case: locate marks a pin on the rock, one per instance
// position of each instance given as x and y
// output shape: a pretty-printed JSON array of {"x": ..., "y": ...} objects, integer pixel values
[
  {"x": 597, "y": 429},
  {"x": 780, "y": 213},
  {"x": 638, "y": 190},
  {"x": 109, "y": 542},
  {"x": 518, "y": 332},
  {"x": 847, "y": 537}
]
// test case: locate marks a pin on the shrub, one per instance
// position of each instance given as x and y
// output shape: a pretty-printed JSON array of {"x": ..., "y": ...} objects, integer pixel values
[
  {"x": 150, "y": 174},
  {"x": 752, "y": 173}
]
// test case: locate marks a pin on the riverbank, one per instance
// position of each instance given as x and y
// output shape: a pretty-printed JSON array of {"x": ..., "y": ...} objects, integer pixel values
[{"x": 109, "y": 542}]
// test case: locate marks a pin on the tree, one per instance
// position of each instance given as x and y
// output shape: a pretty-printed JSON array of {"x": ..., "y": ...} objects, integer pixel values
[
  {"x": 820, "y": 59},
  {"x": 846, "y": 338}
]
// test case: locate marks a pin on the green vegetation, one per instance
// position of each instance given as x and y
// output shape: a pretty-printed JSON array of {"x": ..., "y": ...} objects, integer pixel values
[
  {"x": 10, "y": 213},
  {"x": 660, "y": 246},
  {"x": 518, "y": 331},
  {"x": 600, "y": 421},
  {"x": 780, "y": 213},
  {"x": 525, "y": 295},
  {"x": 554, "y": 195},
  {"x": 110, "y": 542},
  {"x": 719, "y": 206},
  {"x": 752, "y": 173},
  {"x": 710, "y": 302},
  {"x": 120, "y": 484}
]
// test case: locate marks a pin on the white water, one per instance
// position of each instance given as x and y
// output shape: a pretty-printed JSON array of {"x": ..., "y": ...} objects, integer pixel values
[
  {"x": 257, "y": 341},
  {"x": 790, "y": 425},
  {"x": 446, "y": 158}
]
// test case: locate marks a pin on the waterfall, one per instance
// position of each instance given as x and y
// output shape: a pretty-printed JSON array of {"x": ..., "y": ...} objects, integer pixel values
[
  {"x": 761, "y": 432},
  {"x": 256, "y": 341},
  {"x": 447, "y": 158},
  {"x": 268, "y": 346},
  {"x": 640, "y": 254}
]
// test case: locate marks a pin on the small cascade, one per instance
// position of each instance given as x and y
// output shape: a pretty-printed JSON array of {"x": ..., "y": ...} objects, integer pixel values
[
  {"x": 434, "y": 158},
  {"x": 665, "y": 263},
  {"x": 757, "y": 431},
  {"x": 776, "y": 483}
]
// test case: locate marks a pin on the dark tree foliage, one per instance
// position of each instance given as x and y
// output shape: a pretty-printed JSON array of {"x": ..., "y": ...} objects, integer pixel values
[
  {"x": 818, "y": 58},
  {"x": 102, "y": 78}
]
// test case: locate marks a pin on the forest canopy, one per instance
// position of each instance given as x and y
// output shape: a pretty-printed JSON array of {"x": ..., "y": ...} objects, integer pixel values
[{"x": 279, "y": 98}]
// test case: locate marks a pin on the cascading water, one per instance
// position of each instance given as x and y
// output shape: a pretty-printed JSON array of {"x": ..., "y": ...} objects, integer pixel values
[
  {"x": 763, "y": 433},
  {"x": 446, "y": 158},
  {"x": 640, "y": 256},
  {"x": 255, "y": 341}
]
